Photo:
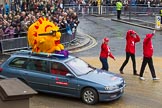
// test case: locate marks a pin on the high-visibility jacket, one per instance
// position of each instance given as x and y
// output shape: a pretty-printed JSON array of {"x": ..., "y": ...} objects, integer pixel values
[
  {"x": 161, "y": 12},
  {"x": 119, "y": 5}
]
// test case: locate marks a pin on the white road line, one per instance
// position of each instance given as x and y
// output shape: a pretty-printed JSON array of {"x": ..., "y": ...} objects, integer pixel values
[{"x": 94, "y": 43}]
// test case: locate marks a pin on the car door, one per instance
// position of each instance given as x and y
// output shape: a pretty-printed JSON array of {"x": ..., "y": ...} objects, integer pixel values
[
  {"x": 37, "y": 74},
  {"x": 59, "y": 82}
]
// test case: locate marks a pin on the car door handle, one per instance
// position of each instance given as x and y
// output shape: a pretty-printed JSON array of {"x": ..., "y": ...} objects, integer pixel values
[{"x": 53, "y": 78}]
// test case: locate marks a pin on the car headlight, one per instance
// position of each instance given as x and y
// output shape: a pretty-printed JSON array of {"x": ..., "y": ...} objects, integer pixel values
[{"x": 109, "y": 88}]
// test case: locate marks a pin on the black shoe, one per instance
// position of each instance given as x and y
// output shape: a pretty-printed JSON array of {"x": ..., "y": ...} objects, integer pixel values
[{"x": 121, "y": 72}]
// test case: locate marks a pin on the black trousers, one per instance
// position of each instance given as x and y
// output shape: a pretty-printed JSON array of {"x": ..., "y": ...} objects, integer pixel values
[
  {"x": 128, "y": 55},
  {"x": 148, "y": 61},
  {"x": 118, "y": 14}
]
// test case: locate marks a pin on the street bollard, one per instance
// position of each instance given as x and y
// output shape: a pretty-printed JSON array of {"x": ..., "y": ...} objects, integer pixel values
[{"x": 157, "y": 22}]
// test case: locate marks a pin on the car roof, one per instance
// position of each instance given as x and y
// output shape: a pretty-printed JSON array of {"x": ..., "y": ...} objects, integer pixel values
[{"x": 42, "y": 56}]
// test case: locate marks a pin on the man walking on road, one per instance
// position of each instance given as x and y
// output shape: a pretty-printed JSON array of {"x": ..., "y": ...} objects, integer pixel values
[
  {"x": 131, "y": 39},
  {"x": 147, "y": 56},
  {"x": 118, "y": 8}
]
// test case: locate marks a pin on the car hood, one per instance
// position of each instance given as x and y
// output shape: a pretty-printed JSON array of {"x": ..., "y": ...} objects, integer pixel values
[{"x": 102, "y": 77}]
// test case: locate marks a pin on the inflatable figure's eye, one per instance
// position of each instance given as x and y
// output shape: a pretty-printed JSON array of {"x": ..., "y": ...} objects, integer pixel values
[{"x": 51, "y": 31}]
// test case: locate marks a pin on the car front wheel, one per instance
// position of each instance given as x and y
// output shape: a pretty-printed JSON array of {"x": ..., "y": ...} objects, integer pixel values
[{"x": 89, "y": 96}]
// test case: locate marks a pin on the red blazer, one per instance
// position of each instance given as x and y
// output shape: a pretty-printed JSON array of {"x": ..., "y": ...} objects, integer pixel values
[
  {"x": 105, "y": 51},
  {"x": 130, "y": 42},
  {"x": 147, "y": 45}
]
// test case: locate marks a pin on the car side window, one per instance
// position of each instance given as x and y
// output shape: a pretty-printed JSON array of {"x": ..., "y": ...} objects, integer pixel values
[
  {"x": 58, "y": 69},
  {"x": 18, "y": 62},
  {"x": 37, "y": 65}
]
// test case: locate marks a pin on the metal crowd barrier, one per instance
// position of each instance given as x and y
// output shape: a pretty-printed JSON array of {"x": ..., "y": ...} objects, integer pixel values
[
  {"x": 67, "y": 38},
  {"x": 107, "y": 10},
  {"x": 84, "y": 9},
  {"x": 145, "y": 10},
  {"x": 12, "y": 44},
  {"x": 9, "y": 36}
]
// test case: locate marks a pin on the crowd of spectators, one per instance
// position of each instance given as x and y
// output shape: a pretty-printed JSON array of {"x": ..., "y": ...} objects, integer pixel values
[{"x": 16, "y": 17}]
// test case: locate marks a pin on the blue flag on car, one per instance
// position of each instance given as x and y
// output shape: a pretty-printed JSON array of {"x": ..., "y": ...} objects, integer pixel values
[{"x": 68, "y": 30}]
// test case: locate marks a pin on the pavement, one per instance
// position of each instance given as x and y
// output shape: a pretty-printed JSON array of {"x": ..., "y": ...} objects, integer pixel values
[
  {"x": 137, "y": 22},
  {"x": 144, "y": 20},
  {"x": 79, "y": 42}
]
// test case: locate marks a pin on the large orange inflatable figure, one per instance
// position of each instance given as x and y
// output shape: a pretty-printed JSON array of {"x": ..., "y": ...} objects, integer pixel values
[{"x": 44, "y": 36}]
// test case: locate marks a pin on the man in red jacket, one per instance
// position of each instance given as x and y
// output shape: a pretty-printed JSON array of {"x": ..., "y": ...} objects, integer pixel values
[
  {"x": 147, "y": 56},
  {"x": 105, "y": 52},
  {"x": 131, "y": 38}
]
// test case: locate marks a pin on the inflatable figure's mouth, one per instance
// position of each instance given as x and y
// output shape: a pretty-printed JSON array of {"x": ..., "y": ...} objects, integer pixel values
[{"x": 57, "y": 42}]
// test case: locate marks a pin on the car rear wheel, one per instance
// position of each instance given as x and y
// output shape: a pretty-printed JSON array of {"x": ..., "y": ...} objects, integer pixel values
[{"x": 89, "y": 96}]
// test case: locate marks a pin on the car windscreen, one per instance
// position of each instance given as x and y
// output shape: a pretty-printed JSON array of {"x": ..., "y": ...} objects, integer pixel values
[{"x": 79, "y": 66}]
